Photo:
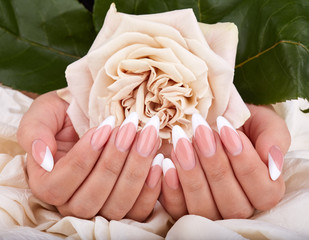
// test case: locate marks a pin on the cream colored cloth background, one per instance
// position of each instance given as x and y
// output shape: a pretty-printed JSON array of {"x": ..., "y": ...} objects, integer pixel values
[{"x": 22, "y": 216}]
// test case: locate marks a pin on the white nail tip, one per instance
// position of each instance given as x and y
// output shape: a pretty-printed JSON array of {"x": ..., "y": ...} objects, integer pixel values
[
  {"x": 108, "y": 121},
  {"x": 154, "y": 121},
  {"x": 274, "y": 172},
  {"x": 158, "y": 160},
  {"x": 48, "y": 161},
  {"x": 178, "y": 133},
  {"x": 167, "y": 164},
  {"x": 198, "y": 120},
  {"x": 223, "y": 122},
  {"x": 133, "y": 118}
]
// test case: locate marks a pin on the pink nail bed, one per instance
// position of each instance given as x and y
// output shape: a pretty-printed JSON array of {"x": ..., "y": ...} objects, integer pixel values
[
  {"x": 102, "y": 133},
  {"x": 127, "y": 132},
  {"x": 170, "y": 174},
  {"x": 155, "y": 171},
  {"x": 203, "y": 135},
  {"x": 229, "y": 136},
  {"x": 183, "y": 148},
  {"x": 275, "y": 162},
  {"x": 148, "y": 137},
  {"x": 42, "y": 155}
]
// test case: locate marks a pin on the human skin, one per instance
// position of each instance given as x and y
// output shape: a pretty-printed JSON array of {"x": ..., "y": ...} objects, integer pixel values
[{"x": 113, "y": 183}]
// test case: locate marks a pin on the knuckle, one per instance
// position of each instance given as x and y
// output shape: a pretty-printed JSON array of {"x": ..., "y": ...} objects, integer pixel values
[
  {"x": 135, "y": 175},
  {"x": 48, "y": 194},
  {"x": 218, "y": 175},
  {"x": 52, "y": 196},
  {"x": 112, "y": 167},
  {"x": 242, "y": 213},
  {"x": 194, "y": 186},
  {"x": 271, "y": 198},
  {"x": 82, "y": 210},
  {"x": 79, "y": 164},
  {"x": 247, "y": 170},
  {"x": 116, "y": 213}
]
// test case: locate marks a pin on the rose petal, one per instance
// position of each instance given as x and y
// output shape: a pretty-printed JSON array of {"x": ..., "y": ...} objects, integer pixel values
[
  {"x": 220, "y": 77},
  {"x": 79, "y": 83},
  {"x": 183, "y": 20},
  {"x": 156, "y": 54},
  {"x": 236, "y": 112},
  {"x": 96, "y": 59},
  {"x": 222, "y": 38}
]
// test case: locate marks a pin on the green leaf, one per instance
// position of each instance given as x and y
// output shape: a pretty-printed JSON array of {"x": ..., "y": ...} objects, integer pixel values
[
  {"x": 273, "y": 52},
  {"x": 38, "y": 39}
]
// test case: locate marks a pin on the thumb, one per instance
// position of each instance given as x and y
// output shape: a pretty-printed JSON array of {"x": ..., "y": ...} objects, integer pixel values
[
  {"x": 270, "y": 136},
  {"x": 39, "y": 126}
]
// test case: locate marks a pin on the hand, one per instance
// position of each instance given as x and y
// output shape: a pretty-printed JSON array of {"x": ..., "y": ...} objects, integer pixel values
[
  {"x": 103, "y": 172},
  {"x": 227, "y": 175}
]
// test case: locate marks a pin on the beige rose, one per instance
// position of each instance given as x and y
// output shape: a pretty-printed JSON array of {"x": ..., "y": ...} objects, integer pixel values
[{"x": 163, "y": 64}]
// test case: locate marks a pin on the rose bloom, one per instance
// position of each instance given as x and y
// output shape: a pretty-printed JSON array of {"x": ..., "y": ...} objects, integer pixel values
[{"x": 164, "y": 64}]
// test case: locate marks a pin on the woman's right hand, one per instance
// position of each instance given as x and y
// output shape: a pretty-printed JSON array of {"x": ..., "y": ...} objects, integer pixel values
[
  {"x": 227, "y": 174},
  {"x": 104, "y": 172}
]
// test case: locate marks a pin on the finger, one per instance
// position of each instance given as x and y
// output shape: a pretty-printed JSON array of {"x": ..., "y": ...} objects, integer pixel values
[
  {"x": 92, "y": 194},
  {"x": 39, "y": 127},
  {"x": 134, "y": 173},
  {"x": 228, "y": 194},
  {"x": 250, "y": 170},
  {"x": 270, "y": 136},
  {"x": 196, "y": 190},
  {"x": 172, "y": 198},
  {"x": 71, "y": 170},
  {"x": 148, "y": 197}
]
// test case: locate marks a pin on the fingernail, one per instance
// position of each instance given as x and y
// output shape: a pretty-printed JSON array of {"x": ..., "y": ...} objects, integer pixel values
[
  {"x": 183, "y": 148},
  {"x": 42, "y": 155},
  {"x": 229, "y": 136},
  {"x": 101, "y": 134},
  {"x": 155, "y": 171},
  {"x": 203, "y": 135},
  {"x": 148, "y": 137},
  {"x": 170, "y": 173},
  {"x": 127, "y": 132},
  {"x": 275, "y": 162}
]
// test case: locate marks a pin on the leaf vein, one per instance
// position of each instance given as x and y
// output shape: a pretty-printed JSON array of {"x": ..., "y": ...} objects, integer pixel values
[
  {"x": 269, "y": 49},
  {"x": 39, "y": 45}
]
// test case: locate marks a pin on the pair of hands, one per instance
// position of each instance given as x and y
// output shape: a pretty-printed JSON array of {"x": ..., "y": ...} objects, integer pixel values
[{"x": 90, "y": 179}]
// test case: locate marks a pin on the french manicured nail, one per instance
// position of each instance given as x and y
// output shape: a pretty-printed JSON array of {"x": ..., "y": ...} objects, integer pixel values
[
  {"x": 155, "y": 171},
  {"x": 275, "y": 162},
  {"x": 170, "y": 173},
  {"x": 42, "y": 155},
  {"x": 203, "y": 135},
  {"x": 229, "y": 136},
  {"x": 148, "y": 137},
  {"x": 183, "y": 148},
  {"x": 101, "y": 134},
  {"x": 127, "y": 132}
]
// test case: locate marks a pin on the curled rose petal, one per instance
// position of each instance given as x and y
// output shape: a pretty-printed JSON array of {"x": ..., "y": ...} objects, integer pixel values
[{"x": 164, "y": 64}]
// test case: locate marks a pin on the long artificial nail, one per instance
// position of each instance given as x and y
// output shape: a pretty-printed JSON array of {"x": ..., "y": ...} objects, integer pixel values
[
  {"x": 170, "y": 173},
  {"x": 42, "y": 155},
  {"x": 155, "y": 171},
  {"x": 229, "y": 136},
  {"x": 148, "y": 137},
  {"x": 203, "y": 135},
  {"x": 183, "y": 148},
  {"x": 101, "y": 134},
  {"x": 275, "y": 162},
  {"x": 127, "y": 132}
]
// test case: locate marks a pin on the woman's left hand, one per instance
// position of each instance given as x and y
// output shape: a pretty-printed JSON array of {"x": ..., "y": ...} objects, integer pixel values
[{"x": 230, "y": 174}]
